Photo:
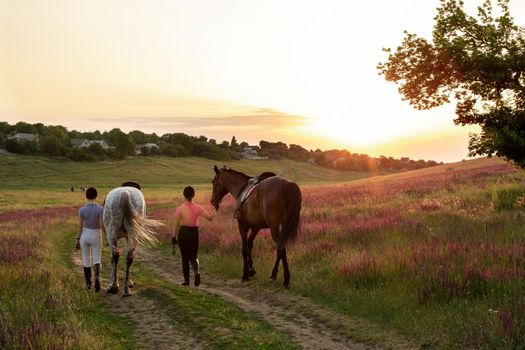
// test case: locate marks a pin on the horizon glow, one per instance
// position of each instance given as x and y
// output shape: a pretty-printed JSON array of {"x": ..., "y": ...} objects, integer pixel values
[{"x": 295, "y": 71}]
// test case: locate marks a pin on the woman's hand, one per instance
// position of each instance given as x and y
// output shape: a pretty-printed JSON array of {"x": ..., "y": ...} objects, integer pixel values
[{"x": 77, "y": 245}]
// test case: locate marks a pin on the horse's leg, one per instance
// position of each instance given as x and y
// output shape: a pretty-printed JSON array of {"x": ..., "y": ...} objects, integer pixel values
[
  {"x": 129, "y": 260},
  {"x": 285, "y": 268},
  {"x": 244, "y": 231},
  {"x": 275, "y": 236},
  {"x": 128, "y": 271},
  {"x": 251, "y": 270},
  {"x": 113, "y": 280},
  {"x": 275, "y": 269}
]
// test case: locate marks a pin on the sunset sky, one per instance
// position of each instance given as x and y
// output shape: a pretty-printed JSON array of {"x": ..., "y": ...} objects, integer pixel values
[{"x": 294, "y": 71}]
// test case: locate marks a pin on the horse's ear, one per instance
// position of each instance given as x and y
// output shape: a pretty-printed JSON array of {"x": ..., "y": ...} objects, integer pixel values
[{"x": 216, "y": 169}]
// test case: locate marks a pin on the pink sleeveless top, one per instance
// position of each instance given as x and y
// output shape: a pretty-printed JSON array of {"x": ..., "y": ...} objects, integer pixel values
[{"x": 188, "y": 213}]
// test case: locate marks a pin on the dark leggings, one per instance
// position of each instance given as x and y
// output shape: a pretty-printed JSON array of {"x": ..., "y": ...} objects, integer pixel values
[{"x": 189, "y": 247}]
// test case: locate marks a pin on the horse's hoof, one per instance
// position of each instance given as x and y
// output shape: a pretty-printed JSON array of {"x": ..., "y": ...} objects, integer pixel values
[
  {"x": 130, "y": 284},
  {"x": 273, "y": 277},
  {"x": 126, "y": 295},
  {"x": 286, "y": 285},
  {"x": 245, "y": 279},
  {"x": 113, "y": 290},
  {"x": 251, "y": 272}
]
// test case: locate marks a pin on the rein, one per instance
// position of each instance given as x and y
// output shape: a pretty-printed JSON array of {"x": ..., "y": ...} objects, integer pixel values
[{"x": 243, "y": 188}]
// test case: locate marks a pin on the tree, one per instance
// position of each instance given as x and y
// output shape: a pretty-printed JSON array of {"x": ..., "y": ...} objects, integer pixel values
[
  {"x": 298, "y": 152},
  {"x": 138, "y": 137},
  {"x": 5, "y": 128},
  {"x": 478, "y": 63},
  {"x": 13, "y": 146},
  {"x": 52, "y": 146},
  {"x": 154, "y": 151},
  {"x": 24, "y": 147},
  {"x": 233, "y": 143},
  {"x": 123, "y": 143},
  {"x": 144, "y": 151},
  {"x": 57, "y": 132},
  {"x": 95, "y": 149},
  {"x": 24, "y": 127}
]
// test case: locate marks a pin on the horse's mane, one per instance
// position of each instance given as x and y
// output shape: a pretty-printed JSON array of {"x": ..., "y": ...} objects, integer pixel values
[{"x": 230, "y": 170}]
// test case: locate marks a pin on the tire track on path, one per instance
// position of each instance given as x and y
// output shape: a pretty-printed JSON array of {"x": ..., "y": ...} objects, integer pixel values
[
  {"x": 285, "y": 312},
  {"x": 153, "y": 329}
]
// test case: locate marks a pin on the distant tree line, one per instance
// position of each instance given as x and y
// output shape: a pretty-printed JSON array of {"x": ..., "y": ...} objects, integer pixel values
[
  {"x": 55, "y": 141},
  {"x": 341, "y": 159}
]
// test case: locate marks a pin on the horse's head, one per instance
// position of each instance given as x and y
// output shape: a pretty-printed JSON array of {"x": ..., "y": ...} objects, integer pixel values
[{"x": 219, "y": 188}]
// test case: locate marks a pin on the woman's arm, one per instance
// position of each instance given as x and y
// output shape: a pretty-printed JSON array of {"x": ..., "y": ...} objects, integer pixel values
[
  {"x": 207, "y": 215},
  {"x": 101, "y": 223},
  {"x": 80, "y": 227},
  {"x": 178, "y": 219}
]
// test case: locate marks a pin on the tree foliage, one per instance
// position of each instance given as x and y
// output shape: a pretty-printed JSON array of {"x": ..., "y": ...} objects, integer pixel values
[
  {"x": 51, "y": 146},
  {"x": 55, "y": 141},
  {"x": 477, "y": 63}
]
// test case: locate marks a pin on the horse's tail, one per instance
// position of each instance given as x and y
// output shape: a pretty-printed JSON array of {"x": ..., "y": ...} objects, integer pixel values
[
  {"x": 290, "y": 224},
  {"x": 135, "y": 224}
]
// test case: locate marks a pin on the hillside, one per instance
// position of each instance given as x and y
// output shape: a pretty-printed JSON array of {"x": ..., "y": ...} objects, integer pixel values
[
  {"x": 39, "y": 172},
  {"x": 424, "y": 259},
  {"x": 451, "y": 168},
  {"x": 31, "y": 181}
]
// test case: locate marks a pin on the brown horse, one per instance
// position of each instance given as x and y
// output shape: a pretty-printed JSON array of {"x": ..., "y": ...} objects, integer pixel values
[{"x": 275, "y": 204}]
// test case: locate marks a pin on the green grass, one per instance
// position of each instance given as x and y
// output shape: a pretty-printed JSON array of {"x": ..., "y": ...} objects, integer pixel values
[
  {"x": 31, "y": 172},
  {"x": 215, "y": 323},
  {"x": 42, "y": 298},
  {"x": 443, "y": 268},
  {"x": 30, "y": 182},
  {"x": 393, "y": 295},
  {"x": 44, "y": 302}
]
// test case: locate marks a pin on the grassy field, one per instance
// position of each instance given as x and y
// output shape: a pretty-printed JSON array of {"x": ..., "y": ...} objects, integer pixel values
[
  {"x": 41, "y": 303},
  {"x": 435, "y": 256},
  {"x": 152, "y": 172},
  {"x": 44, "y": 304},
  {"x": 35, "y": 182}
]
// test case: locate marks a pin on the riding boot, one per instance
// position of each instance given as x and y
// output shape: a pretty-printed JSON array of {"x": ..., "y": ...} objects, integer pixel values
[
  {"x": 186, "y": 272},
  {"x": 87, "y": 274},
  {"x": 195, "y": 266},
  {"x": 97, "y": 277}
]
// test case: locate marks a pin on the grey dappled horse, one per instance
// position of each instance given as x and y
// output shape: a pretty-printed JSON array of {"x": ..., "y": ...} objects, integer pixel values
[{"x": 125, "y": 217}]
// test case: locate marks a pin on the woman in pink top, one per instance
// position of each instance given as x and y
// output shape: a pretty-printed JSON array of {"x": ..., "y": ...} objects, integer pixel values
[{"x": 187, "y": 226}]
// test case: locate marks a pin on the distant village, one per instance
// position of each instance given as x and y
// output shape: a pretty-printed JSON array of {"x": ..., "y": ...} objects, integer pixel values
[{"x": 57, "y": 141}]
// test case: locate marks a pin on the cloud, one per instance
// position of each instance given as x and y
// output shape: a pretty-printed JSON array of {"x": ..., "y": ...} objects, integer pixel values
[{"x": 263, "y": 119}]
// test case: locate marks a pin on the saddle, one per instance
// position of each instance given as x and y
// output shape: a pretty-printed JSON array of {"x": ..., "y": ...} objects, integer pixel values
[{"x": 247, "y": 190}]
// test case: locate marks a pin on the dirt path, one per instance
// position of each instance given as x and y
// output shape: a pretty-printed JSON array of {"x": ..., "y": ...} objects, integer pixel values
[
  {"x": 153, "y": 329},
  {"x": 294, "y": 315}
]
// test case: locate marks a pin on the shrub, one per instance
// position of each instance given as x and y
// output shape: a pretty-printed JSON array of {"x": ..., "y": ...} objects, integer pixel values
[
  {"x": 51, "y": 146},
  {"x": 509, "y": 197},
  {"x": 79, "y": 154},
  {"x": 24, "y": 147}
]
